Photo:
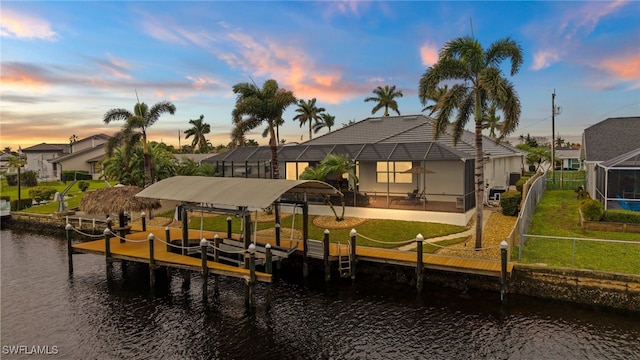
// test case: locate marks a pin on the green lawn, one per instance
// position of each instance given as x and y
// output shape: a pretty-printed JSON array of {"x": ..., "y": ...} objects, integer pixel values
[
  {"x": 75, "y": 195},
  {"x": 557, "y": 215},
  {"x": 393, "y": 232}
]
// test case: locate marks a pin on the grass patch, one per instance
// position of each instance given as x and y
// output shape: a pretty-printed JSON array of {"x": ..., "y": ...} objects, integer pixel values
[
  {"x": 557, "y": 215},
  {"x": 388, "y": 231},
  {"x": 432, "y": 248},
  {"x": 52, "y": 206}
]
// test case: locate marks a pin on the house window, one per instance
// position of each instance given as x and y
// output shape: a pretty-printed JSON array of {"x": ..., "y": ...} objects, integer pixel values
[
  {"x": 293, "y": 171},
  {"x": 394, "y": 173}
]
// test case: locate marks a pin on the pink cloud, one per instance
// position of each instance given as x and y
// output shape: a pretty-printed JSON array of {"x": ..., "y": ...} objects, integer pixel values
[
  {"x": 624, "y": 68},
  {"x": 344, "y": 7},
  {"x": 17, "y": 76},
  {"x": 428, "y": 54},
  {"x": 544, "y": 58},
  {"x": 23, "y": 26}
]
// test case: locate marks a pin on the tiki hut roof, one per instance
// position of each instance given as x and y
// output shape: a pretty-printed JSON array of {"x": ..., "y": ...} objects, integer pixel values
[{"x": 115, "y": 200}]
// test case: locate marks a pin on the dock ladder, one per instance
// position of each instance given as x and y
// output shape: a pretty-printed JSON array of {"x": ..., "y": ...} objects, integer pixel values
[{"x": 344, "y": 261}]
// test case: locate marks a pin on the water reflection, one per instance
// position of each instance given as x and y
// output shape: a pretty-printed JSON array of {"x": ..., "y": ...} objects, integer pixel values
[{"x": 88, "y": 317}]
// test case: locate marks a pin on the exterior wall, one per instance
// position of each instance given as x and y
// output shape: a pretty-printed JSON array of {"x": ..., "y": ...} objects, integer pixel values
[
  {"x": 590, "y": 178},
  {"x": 80, "y": 162},
  {"x": 496, "y": 171},
  {"x": 87, "y": 143},
  {"x": 39, "y": 162}
]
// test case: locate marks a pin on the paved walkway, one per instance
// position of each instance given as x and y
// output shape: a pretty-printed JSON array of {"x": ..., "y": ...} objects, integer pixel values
[{"x": 486, "y": 214}]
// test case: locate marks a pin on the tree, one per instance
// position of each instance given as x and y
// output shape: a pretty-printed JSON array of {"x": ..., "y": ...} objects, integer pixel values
[
  {"x": 308, "y": 112},
  {"x": 277, "y": 123},
  {"x": 385, "y": 98},
  {"x": 257, "y": 105},
  {"x": 198, "y": 131},
  {"x": 437, "y": 94},
  {"x": 492, "y": 122},
  {"x": 326, "y": 121},
  {"x": 135, "y": 128},
  {"x": 478, "y": 81}
]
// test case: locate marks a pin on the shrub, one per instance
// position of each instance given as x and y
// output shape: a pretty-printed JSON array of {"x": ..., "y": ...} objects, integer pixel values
[
  {"x": 71, "y": 175},
  {"x": 24, "y": 203},
  {"x": 592, "y": 209},
  {"x": 40, "y": 193},
  {"x": 520, "y": 183},
  {"x": 5, "y": 197},
  {"x": 12, "y": 179},
  {"x": 622, "y": 216},
  {"x": 29, "y": 178},
  {"x": 510, "y": 202},
  {"x": 83, "y": 185}
]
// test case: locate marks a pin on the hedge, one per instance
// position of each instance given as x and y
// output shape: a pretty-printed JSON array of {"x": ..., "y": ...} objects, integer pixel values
[
  {"x": 510, "y": 202},
  {"x": 71, "y": 175},
  {"x": 592, "y": 209},
  {"x": 622, "y": 216},
  {"x": 24, "y": 204}
]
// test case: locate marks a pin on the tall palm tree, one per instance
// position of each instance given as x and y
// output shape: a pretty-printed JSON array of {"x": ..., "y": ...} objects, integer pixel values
[
  {"x": 308, "y": 112},
  {"x": 326, "y": 121},
  {"x": 492, "y": 122},
  {"x": 257, "y": 105},
  {"x": 198, "y": 131},
  {"x": 277, "y": 123},
  {"x": 135, "y": 128},
  {"x": 478, "y": 80},
  {"x": 385, "y": 97},
  {"x": 437, "y": 94}
]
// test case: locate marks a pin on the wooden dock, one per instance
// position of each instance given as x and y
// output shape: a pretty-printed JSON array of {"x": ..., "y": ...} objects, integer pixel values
[{"x": 137, "y": 250}]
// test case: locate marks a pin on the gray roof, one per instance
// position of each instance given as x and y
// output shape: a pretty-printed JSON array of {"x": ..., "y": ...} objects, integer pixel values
[
  {"x": 43, "y": 147},
  {"x": 66, "y": 157},
  {"x": 568, "y": 154},
  {"x": 611, "y": 138},
  {"x": 394, "y": 138}
]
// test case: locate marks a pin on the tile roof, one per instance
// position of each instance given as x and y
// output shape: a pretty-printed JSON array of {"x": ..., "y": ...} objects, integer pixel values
[
  {"x": 611, "y": 138},
  {"x": 43, "y": 147}
]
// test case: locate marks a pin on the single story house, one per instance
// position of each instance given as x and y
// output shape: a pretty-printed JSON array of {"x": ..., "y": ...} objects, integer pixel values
[
  {"x": 611, "y": 151},
  {"x": 398, "y": 161},
  {"x": 569, "y": 159}
]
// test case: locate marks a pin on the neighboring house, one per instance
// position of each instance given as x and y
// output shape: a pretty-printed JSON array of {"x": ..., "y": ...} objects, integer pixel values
[
  {"x": 4, "y": 161},
  {"x": 611, "y": 151},
  {"x": 39, "y": 156},
  {"x": 197, "y": 158},
  {"x": 86, "y": 155},
  {"x": 395, "y": 156},
  {"x": 570, "y": 159}
]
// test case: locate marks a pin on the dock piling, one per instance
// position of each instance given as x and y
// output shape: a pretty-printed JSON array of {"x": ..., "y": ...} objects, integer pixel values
[
  {"x": 229, "y": 227},
  {"x": 252, "y": 275},
  {"x": 353, "y": 234},
  {"x": 167, "y": 238},
  {"x": 204, "y": 246},
  {"x": 216, "y": 258},
  {"x": 277, "y": 234},
  {"x": 68, "y": 229},
  {"x": 504, "y": 246},
  {"x": 420, "y": 264},
  {"x": 143, "y": 217},
  {"x": 268, "y": 261},
  {"x": 152, "y": 262},
  {"x": 325, "y": 256}
]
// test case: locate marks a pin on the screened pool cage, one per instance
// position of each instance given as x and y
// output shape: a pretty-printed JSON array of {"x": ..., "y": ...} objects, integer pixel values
[{"x": 618, "y": 182}]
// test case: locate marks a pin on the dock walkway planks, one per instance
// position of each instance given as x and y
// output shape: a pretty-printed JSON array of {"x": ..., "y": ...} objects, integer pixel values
[
  {"x": 388, "y": 256},
  {"x": 138, "y": 251}
]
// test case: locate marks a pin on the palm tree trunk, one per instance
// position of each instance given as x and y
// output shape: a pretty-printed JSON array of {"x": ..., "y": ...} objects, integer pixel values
[
  {"x": 479, "y": 172},
  {"x": 310, "y": 120},
  {"x": 275, "y": 171},
  {"x": 147, "y": 162}
]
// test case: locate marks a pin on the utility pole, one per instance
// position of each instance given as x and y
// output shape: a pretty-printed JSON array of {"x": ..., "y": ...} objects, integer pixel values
[{"x": 553, "y": 135}]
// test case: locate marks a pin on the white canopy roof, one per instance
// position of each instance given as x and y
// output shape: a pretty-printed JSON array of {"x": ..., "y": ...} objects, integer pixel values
[{"x": 249, "y": 192}]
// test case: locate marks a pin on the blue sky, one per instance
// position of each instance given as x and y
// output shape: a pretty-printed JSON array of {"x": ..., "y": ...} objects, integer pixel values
[{"x": 64, "y": 64}]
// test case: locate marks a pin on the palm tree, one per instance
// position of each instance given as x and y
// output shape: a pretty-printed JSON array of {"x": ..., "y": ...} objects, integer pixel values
[
  {"x": 308, "y": 112},
  {"x": 385, "y": 97},
  {"x": 198, "y": 131},
  {"x": 257, "y": 105},
  {"x": 437, "y": 94},
  {"x": 277, "y": 123},
  {"x": 492, "y": 122},
  {"x": 326, "y": 121},
  {"x": 478, "y": 80},
  {"x": 135, "y": 128}
]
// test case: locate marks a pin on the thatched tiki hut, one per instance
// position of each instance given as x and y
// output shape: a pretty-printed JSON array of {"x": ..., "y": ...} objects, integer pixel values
[{"x": 116, "y": 200}]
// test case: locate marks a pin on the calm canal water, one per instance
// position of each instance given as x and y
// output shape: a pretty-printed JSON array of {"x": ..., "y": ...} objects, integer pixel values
[{"x": 83, "y": 316}]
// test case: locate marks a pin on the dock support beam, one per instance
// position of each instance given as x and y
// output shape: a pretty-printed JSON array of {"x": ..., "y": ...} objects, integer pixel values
[
  {"x": 185, "y": 232},
  {"x": 305, "y": 237},
  {"x": 277, "y": 234},
  {"x": 246, "y": 234},
  {"x": 68, "y": 229},
  {"x": 504, "y": 246},
  {"x": 229, "y": 227},
  {"x": 204, "y": 245},
  {"x": 420, "y": 264},
  {"x": 152, "y": 263},
  {"x": 325, "y": 256},
  {"x": 353, "y": 235},
  {"x": 167, "y": 238},
  {"x": 268, "y": 268}
]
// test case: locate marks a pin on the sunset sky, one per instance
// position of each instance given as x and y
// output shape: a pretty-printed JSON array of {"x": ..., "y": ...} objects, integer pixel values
[{"x": 64, "y": 64}]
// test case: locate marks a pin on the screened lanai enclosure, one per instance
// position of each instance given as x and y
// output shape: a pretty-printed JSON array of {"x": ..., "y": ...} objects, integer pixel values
[
  {"x": 618, "y": 182},
  {"x": 426, "y": 176}
]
